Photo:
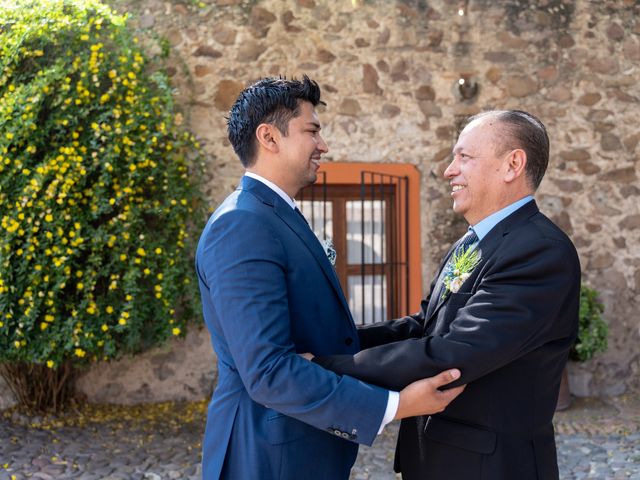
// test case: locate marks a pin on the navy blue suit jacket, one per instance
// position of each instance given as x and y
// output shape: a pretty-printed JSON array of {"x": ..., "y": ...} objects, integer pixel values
[
  {"x": 509, "y": 330},
  {"x": 268, "y": 293}
]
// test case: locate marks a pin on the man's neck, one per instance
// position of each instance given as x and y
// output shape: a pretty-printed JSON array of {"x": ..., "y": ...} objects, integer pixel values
[
  {"x": 484, "y": 226},
  {"x": 274, "y": 179},
  {"x": 272, "y": 185}
]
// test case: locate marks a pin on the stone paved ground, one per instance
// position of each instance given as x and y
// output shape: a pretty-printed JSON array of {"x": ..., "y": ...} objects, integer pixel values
[{"x": 597, "y": 440}]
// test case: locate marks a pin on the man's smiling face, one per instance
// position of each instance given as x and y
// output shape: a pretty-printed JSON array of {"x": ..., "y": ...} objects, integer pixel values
[
  {"x": 476, "y": 173},
  {"x": 301, "y": 149}
]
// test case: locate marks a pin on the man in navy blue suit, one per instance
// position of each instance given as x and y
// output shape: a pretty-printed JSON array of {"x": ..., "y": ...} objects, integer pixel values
[{"x": 269, "y": 293}]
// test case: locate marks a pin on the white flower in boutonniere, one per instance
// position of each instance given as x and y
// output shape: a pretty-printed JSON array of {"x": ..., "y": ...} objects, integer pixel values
[
  {"x": 329, "y": 250},
  {"x": 459, "y": 268}
]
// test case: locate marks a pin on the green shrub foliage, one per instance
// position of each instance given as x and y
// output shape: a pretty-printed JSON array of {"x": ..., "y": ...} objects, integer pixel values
[
  {"x": 95, "y": 189},
  {"x": 593, "y": 331}
]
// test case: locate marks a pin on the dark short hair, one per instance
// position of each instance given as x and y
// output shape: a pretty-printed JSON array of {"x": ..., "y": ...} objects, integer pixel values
[
  {"x": 527, "y": 132},
  {"x": 269, "y": 100}
]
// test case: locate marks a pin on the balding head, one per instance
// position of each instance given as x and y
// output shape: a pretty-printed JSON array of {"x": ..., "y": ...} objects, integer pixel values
[{"x": 524, "y": 131}]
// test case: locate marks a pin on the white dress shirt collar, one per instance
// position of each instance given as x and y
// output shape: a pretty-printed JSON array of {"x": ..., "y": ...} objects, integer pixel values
[
  {"x": 273, "y": 187},
  {"x": 483, "y": 227}
]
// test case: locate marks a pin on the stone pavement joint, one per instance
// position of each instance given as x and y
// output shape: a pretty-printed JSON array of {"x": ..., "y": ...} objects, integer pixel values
[{"x": 598, "y": 439}]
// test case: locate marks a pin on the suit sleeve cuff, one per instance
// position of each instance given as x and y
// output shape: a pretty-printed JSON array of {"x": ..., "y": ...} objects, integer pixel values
[{"x": 390, "y": 412}]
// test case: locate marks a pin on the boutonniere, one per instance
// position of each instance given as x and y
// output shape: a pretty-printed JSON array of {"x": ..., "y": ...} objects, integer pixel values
[
  {"x": 329, "y": 250},
  {"x": 459, "y": 268}
]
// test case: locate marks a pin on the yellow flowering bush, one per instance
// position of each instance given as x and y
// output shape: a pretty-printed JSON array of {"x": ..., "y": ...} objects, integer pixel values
[{"x": 96, "y": 189}]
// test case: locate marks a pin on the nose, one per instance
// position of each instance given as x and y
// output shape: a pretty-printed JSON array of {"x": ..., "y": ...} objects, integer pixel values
[
  {"x": 322, "y": 145},
  {"x": 452, "y": 170}
]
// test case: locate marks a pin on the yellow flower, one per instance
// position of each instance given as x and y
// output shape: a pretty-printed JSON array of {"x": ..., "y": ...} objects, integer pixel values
[
  {"x": 48, "y": 217},
  {"x": 141, "y": 252},
  {"x": 80, "y": 286},
  {"x": 105, "y": 328},
  {"x": 122, "y": 321},
  {"x": 79, "y": 352},
  {"x": 109, "y": 309},
  {"x": 158, "y": 251},
  {"x": 146, "y": 271},
  {"x": 50, "y": 363},
  {"x": 176, "y": 331},
  {"x": 123, "y": 257},
  {"x": 43, "y": 326}
]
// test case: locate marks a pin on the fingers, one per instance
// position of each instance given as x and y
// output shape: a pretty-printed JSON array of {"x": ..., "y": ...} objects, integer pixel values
[
  {"x": 307, "y": 356},
  {"x": 422, "y": 397},
  {"x": 446, "y": 397},
  {"x": 445, "y": 377},
  {"x": 450, "y": 394}
]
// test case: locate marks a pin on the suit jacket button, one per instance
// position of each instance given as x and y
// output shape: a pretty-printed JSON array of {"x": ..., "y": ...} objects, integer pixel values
[
  {"x": 337, "y": 432},
  {"x": 348, "y": 341},
  {"x": 345, "y": 435}
]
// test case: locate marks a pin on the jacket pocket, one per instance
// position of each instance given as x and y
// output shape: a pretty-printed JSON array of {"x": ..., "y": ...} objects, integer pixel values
[
  {"x": 461, "y": 435},
  {"x": 283, "y": 429}
]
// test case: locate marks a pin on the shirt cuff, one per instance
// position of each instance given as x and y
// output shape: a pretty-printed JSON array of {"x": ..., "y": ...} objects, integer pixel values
[{"x": 392, "y": 409}]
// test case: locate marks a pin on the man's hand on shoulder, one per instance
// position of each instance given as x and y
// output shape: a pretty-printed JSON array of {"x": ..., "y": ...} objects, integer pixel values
[{"x": 423, "y": 397}]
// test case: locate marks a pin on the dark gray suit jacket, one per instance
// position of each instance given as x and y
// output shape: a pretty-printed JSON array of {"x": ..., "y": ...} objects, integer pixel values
[{"x": 509, "y": 330}]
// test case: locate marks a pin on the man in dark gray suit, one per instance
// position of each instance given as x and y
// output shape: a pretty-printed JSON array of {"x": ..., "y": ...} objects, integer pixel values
[{"x": 503, "y": 309}]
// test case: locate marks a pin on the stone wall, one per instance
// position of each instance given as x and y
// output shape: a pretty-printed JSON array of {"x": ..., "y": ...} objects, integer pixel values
[{"x": 390, "y": 73}]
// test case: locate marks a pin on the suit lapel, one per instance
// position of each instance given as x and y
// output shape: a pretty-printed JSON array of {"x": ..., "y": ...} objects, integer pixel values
[
  {"x": 297, "y": 223},
  {"x": 435, "y": 300},
  {"x": 487, "y": 247},
  {"x": 304, "y": 232}
]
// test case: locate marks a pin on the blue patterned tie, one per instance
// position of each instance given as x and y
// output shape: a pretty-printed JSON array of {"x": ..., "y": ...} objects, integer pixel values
[
  {"x": 463, "y": 244},
  {"x": 469, "y": 239}
]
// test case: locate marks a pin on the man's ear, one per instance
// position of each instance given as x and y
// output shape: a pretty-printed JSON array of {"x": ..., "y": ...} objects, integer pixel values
[
  {"x": 516, "y": 163},
  {"x": 268, "y": 137}
]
